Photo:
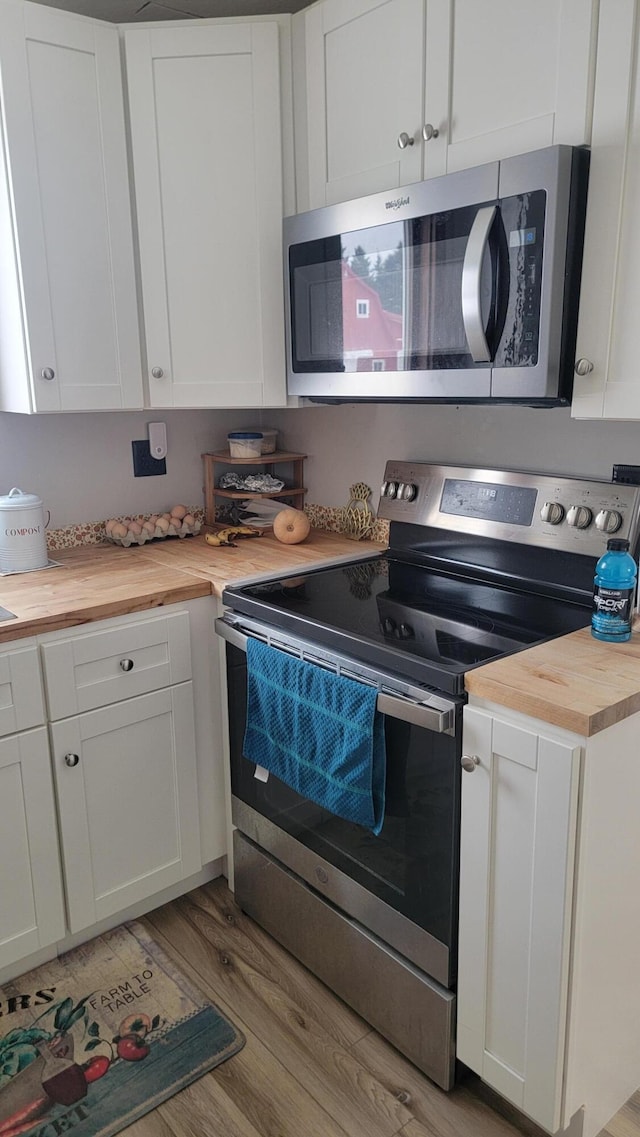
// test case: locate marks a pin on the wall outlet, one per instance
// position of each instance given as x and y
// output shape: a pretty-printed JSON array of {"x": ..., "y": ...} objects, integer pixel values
[{"x": 144, "y": 466}]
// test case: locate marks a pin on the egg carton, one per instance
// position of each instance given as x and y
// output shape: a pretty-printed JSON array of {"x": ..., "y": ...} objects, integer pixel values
[{"x": 157, "y": 535}]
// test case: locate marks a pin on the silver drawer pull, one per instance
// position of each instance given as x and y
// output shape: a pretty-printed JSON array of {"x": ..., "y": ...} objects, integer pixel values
[
  {"x": 126, "y": 664},
  {"x": 72, "y": 759}
]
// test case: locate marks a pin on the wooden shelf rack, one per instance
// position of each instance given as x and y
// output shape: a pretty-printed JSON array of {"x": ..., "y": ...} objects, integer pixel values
[{"x": 267, "y": 464}]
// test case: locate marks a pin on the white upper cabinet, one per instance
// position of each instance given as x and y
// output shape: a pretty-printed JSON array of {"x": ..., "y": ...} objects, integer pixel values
[
  {"x": 69, "y": 336},
  {"x": 606, "y": 383},
  {"x": 207, "y": 163},
  {"x": 381, "y": 77}
]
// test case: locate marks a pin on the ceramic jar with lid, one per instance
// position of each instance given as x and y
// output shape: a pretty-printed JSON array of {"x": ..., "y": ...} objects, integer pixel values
[{"x": 23, "y": 538}]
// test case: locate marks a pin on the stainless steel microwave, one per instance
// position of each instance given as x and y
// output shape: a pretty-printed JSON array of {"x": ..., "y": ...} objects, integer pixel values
[{"x": 460, "y": 289}]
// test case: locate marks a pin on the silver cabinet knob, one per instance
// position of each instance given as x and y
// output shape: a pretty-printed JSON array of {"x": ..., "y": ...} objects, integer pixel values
[
  {"x": 608, "y": 520},
  {"x": 469, "y": 762},
  {"x": 579, "y": 516},
  {"x": 126, "y": 664},
  {"x": 157, "y": 372},
  {"x": 583, "y": 366},
  {"x": 429, "y": 132},
  {"x": 72, "y": 759},
  {"x": 405, "y": 140},
  {"x": 552, "y": 512},
  {"x": 47, "y": 373}
]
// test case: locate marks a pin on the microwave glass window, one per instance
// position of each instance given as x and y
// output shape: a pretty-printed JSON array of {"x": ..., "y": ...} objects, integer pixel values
[{"x": 389, "y": 297}]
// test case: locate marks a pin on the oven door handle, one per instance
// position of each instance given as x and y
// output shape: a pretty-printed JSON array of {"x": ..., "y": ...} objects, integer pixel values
[{"x": 440, "y": 720}]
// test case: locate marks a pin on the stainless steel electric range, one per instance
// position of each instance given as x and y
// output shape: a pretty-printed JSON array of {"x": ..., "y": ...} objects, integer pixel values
[{"x": 481, "y": 563}]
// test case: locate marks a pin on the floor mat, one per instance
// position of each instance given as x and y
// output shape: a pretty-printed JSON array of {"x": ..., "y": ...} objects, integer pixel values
[{"x": 96, "y": 1038}]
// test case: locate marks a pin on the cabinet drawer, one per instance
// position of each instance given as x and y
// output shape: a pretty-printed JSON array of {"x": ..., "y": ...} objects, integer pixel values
[
  {"x": 21, "y": 701},
  {"x": 93, "y": 670}
]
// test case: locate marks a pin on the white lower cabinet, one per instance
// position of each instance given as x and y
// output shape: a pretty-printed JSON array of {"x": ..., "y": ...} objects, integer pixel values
[
  {"x": 31, "y": 902},
  {"x": 548, "y": 997},
  {"x": 128, "y": 802},
  {"x": 134, "y": 751},
  {"x": 121, "y": 707}
]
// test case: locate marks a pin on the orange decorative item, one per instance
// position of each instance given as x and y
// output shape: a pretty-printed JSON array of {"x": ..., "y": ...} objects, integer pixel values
[{"x": 291, "y": 526}]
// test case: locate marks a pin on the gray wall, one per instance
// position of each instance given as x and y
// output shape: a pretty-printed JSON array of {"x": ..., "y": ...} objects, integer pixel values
[
  {"x": 80, "y": 464},
  {"x": 351, "y": 443}
]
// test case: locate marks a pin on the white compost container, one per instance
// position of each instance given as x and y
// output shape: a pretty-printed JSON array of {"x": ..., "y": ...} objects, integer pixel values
[{"x": 23, "y": 538}]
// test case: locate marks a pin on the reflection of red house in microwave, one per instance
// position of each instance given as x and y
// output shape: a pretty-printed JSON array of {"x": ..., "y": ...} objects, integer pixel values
[{"x": 372, "y": 336}]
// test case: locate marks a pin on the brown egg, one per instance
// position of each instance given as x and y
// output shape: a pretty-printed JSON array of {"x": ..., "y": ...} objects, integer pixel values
[
  {"x": 149, "y": 527},
  {"x": 167, "y": 516},
  {"x": 110, "y": 524},
  {"x": 153, "y": 518},
  {"x": 135, "y": 527},
  {"x": 162, "y": 524},
  {"x": 176, "y": 524},
  {"x": 188, "y": 521},
  {"x": 179, "y": 511},
  {"x": 118, "y": 529}
]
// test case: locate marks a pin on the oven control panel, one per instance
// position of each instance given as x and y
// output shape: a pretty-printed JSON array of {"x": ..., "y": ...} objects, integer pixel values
[{"x": 571, "y": 514}]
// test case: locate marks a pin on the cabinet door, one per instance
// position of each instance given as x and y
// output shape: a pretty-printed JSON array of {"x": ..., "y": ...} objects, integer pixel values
[
  {"x": 65, "y": 214},
  {"x": 21, "y": 701},
  {"x": 205, "y": 121},
  {"x": 364, "y": 66},
  {"x": 519, "y": 809},
  {"x": 128, "y": 802},
  {"x": 519, "y": 78},
  {"x": 606, "y": 383},
  {"x": 30, "y": 882}
]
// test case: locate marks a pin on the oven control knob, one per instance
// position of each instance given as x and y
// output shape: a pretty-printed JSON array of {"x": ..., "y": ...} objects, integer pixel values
[
  {"x": 552, "y": 512},
  {"x": 405, "y": 632},
  {"x": 391, "y": 489},
  {"x": 409, "y": 491},
  {"x": 388, "y": 625},
  {"x": 608, "y": 520},
  {"x": 579, "y": 516}
]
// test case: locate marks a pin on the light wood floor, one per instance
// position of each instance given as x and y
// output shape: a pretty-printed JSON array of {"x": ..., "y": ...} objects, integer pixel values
[{"x": 310, "y": 1066}]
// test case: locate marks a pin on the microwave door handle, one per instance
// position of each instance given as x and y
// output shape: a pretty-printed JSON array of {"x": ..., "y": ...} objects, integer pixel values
[{"x": 471, "y": 277}]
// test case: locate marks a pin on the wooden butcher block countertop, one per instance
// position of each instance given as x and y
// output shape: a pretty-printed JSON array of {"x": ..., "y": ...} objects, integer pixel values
[
  {"x": 575, "y": 682},
  {"x": 96, "y": 582}
]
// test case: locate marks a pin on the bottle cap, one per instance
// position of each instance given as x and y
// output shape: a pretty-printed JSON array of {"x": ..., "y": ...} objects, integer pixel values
[{"x": 617, "y": 545}]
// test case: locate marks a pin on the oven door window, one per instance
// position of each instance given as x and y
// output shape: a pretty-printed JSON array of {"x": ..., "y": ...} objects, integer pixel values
[{"x": 412, "y": 865}]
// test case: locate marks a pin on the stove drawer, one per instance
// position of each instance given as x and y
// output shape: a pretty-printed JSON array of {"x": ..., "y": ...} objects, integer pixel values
[{"x": 412, "y": 1011}]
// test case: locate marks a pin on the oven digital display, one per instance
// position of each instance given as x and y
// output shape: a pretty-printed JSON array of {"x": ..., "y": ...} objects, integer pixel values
[{"x": 511, "y": 505}]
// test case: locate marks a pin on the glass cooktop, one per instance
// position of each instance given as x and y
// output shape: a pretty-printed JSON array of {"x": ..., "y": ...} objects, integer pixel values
[{"x": 427, "y": 624}]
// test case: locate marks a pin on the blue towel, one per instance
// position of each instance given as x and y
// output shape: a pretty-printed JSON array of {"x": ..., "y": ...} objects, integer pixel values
[{"x": 318, "y": 732}]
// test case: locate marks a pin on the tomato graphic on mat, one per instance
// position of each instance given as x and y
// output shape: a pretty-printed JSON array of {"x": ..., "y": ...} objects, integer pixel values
[
  {"x": 132, "y": 1048},
  {"x": 96, "y": 1067}
]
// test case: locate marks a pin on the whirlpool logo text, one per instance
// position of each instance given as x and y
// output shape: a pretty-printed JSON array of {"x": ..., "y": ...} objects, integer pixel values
[{"x": 397, "y": 203}]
